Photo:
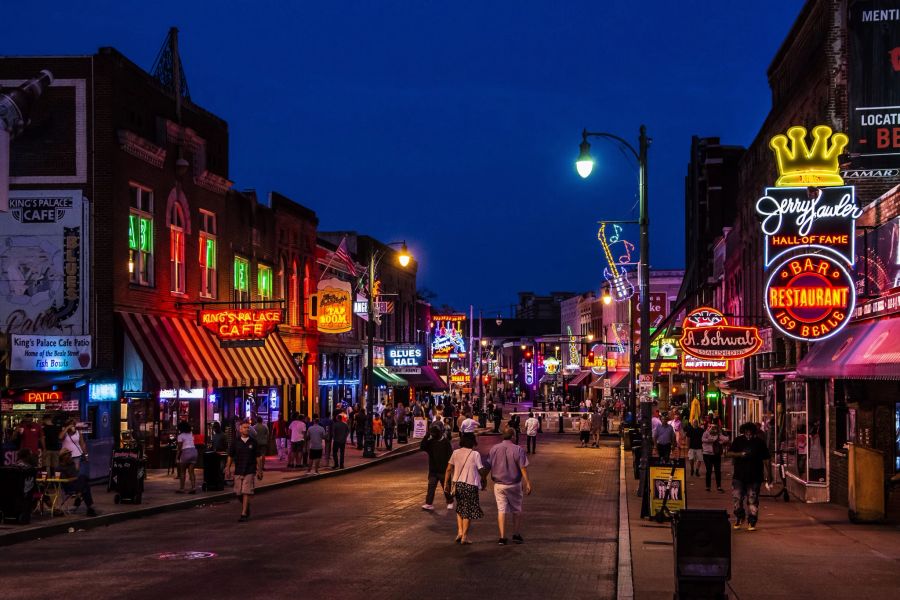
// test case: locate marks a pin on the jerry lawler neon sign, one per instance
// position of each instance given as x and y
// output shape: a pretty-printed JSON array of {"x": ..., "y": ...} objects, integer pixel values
[
  {"x": 809, "y": 232},
  {"x": 708, "y": 336}
]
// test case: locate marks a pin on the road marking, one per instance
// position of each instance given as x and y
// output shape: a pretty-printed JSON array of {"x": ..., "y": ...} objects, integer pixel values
[{"x": 625, "y": 580}]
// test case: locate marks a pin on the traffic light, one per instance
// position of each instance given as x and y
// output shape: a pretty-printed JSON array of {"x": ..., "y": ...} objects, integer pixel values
[
  {"x": 591, "y": 356},
  {"x": 528, "y": 354}
]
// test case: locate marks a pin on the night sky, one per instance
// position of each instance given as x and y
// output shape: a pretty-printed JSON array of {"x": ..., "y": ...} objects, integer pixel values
[{"x": 455, "y": 125}]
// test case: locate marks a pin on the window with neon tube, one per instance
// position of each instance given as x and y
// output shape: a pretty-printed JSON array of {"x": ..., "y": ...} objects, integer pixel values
[
  {"x": 207, "y": 254},
  {"x": 241, "y": 280},
  {"x": 140, "y": 235},
  {"x": 176, "y": 250},
  {"x": 264, "y": 282}
]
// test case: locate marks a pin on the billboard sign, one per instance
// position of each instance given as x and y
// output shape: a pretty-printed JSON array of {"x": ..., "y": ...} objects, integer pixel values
[{"x": 335, "y": 306}]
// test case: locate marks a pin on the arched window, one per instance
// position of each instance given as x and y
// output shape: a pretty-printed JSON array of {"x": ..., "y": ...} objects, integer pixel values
[
  {"x": 293, "y": 312},
  {"x": 282, "y": 282},
  {"x": 176, "y": 248},
  {"x": 304, "y": 296}
]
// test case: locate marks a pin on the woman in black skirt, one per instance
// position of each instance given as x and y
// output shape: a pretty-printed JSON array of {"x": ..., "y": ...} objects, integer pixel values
[{"x": 465, "y": 471}]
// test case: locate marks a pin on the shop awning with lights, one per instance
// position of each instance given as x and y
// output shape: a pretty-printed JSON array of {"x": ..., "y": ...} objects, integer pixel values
[
  {"x": 617, "y": 379},
  {"x": 181, "y": 355},
  {"x": 427, "y": 379},
  {"x": 865, "y": 350},
  {"x": 384, "y": 377}
]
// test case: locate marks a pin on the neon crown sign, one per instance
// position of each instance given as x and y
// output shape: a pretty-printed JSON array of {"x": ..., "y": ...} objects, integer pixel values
[{"x": 800, "y": 164}]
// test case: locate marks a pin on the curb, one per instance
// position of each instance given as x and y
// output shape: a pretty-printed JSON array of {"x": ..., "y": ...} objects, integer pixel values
[
  {"x": 36, "y": 533},
  {"x": 624, "y": 570}
]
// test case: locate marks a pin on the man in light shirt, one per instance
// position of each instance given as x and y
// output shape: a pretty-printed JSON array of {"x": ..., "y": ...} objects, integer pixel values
[
  {"x": 510, "y": 476},
  {"x": 532, "y": 426}
]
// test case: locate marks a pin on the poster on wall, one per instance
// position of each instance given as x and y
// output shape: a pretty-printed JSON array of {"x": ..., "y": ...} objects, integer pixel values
[
  {"x": 43, "y": 263},
  {"x": 874, "y": 88},
  {"x": 660, "y": 481}
]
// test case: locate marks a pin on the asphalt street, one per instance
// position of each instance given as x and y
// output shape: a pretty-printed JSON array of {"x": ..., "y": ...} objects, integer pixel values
[{"x": 362, "y": 535}]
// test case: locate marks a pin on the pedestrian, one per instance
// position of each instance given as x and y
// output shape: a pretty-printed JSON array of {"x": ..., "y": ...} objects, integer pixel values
[
  {"x": 664, "y": 437},
  {"x": 244, "y": 460},
  {"x": 584, "y": 429},
  {"x": 498, "y": 417},
  {"x": 76, "y": 481},
  {"x": 377, "y": 429},
  {"x": 297, "y": 430},
  {"x": 359, "y": 423},
  {"x": 73, "y": 441},
  {"x": 597, "y": 421},
  {"x": 514, "y": 423},
  {"x": 389, "y": 426},
  {"x": 713, "y": 445},
  {"x": 186, "y": 457},
  {"x": 465, "y": 471},
  {"x": 340, "y": 431},
  {"x": 532, "y": 425},
  {"x": 217, "y": 442},
  {"x": 694, "y": 434},
  {"x": 315, "y": 440},
  {"x": 751, "y": 467},
  {"x": 262, "y": 438},
  {"x": 50, "y": 444},
  {"x": 28, "y": 435},
  {"x": 326, "y": 422},
  {"x": 439, "y": 451},
  {"x": 510, "y": 476}
]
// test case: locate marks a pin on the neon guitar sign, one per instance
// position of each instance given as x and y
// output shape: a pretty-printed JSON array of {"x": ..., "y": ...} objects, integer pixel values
[{"x": 616, "y": 274}]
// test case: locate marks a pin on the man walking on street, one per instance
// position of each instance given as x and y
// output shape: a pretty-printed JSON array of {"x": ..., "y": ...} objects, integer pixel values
[
  {"x": 297, "y": 430},
  {"x": 315, "y": 440},
  {"x": 326, "y": 423},
  {"x": 531, "y": 431},
  {"x": 261, "y": 433},
  {"x": 498, "y": 417},
  {"x": 245, "y": 458},
  {"x": 751, "y": 467},
  {"x": 510, "y": 476},
  {"x": 340, "y": 431},
  {"x": 663, "y": 437},
  {"x": 439, "y": 450}
]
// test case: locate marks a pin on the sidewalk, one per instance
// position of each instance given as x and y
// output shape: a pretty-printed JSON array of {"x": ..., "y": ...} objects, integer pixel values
[
  {"x": 160, "y": 495},
  {"x": 799, "y": 550}
]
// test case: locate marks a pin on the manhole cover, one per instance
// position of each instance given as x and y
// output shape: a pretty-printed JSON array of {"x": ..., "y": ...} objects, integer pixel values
[{"x": 188, "y": 555}]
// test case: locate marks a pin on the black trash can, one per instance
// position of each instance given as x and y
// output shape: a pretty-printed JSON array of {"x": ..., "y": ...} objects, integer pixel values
[
  {"x": 637, "y": 452},
  {"x": 17, "y": 493},
  {"x": 702, "y": 546},
  {"x": 213, "y": 471},
  {"x": 126, "y": 476}
]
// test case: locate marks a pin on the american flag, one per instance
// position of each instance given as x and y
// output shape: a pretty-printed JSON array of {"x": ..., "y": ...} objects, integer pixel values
[{"x": 344, "y": 256}]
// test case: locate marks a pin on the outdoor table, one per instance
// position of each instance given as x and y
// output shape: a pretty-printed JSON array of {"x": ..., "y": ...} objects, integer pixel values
[{"x": 52, "y": 487}]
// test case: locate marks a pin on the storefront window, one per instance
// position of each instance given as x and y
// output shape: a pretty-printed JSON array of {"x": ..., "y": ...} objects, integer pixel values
[
  {"x": 241, "y": 280},
  {"x": 264, "y": 282},
  {"x": 176, "y": 250},
  {"x": 140, "y": 236},
  {"x": 805, "y": 433},
  {"x": 207, "y": 255}
]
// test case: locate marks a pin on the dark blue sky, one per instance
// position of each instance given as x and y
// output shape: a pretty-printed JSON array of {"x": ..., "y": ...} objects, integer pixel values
[{"x": 455, "y": 125}]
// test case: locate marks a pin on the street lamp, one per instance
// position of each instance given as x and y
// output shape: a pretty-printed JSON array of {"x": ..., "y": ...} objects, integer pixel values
[
  {"x": 403, "y": 258},
  {"x": 585, "y": 165}
]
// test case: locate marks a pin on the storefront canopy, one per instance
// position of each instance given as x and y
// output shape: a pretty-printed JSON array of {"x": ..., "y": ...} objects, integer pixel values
[
  {"x": 616, "y": 379},
  {"x": 866, "y": 350},
  {"x": 181, "y": 355},
  {"x": 384, "y": 377},
  {"x": 581, "y": 378},
  {"x": 428, "y": 379}
]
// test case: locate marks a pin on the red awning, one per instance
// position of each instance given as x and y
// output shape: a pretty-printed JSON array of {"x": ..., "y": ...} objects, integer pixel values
[
  {"x": 615, "y": 378},
  {"x": 866, "y": 350},
  {"x": 582, "y": 378},
  {"x": 428, "y": 378},
  {"x": 180, "y": 354}
]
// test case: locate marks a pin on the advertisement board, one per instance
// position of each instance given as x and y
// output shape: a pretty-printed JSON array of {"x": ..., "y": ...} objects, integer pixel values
[
  {"x": 49, "y": 352},
  {"x": 874, "y": 86},
  {"x": 404, "y": 355},
  {"x": 335, "y": 314},
  {"x": 448, "y": 336},
  {"x": 659, "y": 481},
  {"x": 44, "y": 263}
]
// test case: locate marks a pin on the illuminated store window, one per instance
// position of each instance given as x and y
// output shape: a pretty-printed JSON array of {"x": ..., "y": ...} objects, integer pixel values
[
  {"x": 207, "y": 254},
  {"x": 241, "y": 280},
  {"x": 176, "y": 249},
  {"x": 140, "y": 235},
  {"x": 264, "y": 282}
]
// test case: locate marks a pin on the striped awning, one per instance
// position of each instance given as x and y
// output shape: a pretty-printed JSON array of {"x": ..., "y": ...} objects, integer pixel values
[
  {"x": 582, "y": 378},
  {"x": 182, "y": 355}
]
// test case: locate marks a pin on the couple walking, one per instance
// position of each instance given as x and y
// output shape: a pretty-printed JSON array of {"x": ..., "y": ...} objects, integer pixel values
[{"x": 463, "y": 474}]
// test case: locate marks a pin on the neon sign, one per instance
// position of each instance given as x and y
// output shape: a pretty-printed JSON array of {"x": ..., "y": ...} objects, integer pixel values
[
  {"x": 335, "y": 313},
  {"x": 448, "y": 336},
  {"x": 598, "y": 364},
  {"x": 529, "y": 372},
  {"x": 241, "y": 324},
  {"x": 708, "y": 336},
  {"x": 692, "y": 363},
  {"x": 551, "y": 365},
  {"x": 810, "y": 297},
  {"x": 615, "y": 273},
  {"x": 405, "y": 355}
]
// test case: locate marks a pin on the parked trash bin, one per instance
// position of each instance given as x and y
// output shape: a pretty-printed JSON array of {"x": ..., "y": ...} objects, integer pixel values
[
  {"x": 213, "y": 471},
  {"x": 702, "y": 546},
  {"x": 17, "y": 493}
]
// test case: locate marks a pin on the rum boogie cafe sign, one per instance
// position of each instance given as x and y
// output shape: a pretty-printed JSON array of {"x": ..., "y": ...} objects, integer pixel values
[
  {"x": 809, "y": 236},
  {"x": 708, "y": 336}
]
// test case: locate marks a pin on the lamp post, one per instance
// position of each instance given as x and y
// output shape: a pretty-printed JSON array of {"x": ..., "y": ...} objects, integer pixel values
[
  {"x": 403, "y": 258},
  {"x": 584, "y": 165}
]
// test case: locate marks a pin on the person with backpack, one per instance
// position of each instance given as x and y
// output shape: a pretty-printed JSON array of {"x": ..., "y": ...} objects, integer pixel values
[
  {"x": 438, "y": 448},
  {"x": 713, "y": 446}
]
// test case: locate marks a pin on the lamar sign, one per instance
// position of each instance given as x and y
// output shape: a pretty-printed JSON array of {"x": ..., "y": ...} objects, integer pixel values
[{"x": 708, "y": 336}]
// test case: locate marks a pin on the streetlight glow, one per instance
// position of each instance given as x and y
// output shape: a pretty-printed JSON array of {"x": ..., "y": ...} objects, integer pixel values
[
  {"x": 607, "y": 299},
  {"x": 585, "y": 163},
  {"x": 404, "y": 257}
]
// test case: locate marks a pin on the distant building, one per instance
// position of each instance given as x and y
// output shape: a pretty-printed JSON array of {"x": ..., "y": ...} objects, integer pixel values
[{"x": 533, "y": 306}]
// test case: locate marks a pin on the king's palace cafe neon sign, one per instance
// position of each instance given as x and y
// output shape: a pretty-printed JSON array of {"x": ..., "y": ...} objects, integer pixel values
[{"x": 808, "y": 221}]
